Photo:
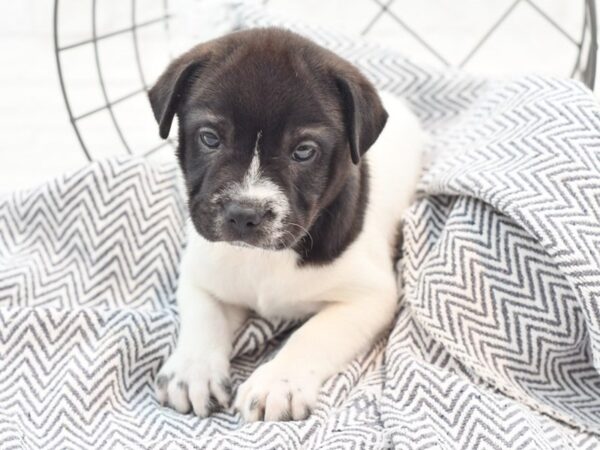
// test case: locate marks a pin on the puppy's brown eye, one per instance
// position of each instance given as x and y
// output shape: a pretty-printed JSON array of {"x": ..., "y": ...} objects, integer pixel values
[
  {"x": 305, "y": 152},
  {"x": 209, "y": 138}
]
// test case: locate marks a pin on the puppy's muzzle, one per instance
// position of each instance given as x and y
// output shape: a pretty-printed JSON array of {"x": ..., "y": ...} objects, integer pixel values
[{"x": 243, "y": 220}]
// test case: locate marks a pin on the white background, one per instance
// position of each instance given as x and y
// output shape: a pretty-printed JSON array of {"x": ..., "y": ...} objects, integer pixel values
[{"x": 37, "y": 140}]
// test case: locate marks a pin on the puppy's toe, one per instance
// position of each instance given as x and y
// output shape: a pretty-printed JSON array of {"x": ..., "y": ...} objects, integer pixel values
[
  {"x": 250, "y": 403},
  {"x": 199, "y": 397},
  {"x": 302, "y": 405},
  {"x": 160, "y": 388},
  {"x": 278, "y": 405},
  {"x": 220, "y": 389},
  {"x": 178, "y": 395}
]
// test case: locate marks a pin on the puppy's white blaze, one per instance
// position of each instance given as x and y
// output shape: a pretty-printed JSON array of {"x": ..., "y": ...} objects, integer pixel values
[
  {"x": 253, "y": 174},
  {"x": 255, "y": 187}
]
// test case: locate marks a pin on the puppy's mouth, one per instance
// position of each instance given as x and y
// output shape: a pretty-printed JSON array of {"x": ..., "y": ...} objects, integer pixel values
[
  {"x": 273, "y": 238},
  {"x": 277, "y": 246},
  {"x": 267, "y": 237},
  {"x": 241, "y": 244}
]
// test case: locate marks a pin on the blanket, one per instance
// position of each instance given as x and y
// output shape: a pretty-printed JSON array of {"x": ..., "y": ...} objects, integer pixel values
[{"x": 496, "y": 341}]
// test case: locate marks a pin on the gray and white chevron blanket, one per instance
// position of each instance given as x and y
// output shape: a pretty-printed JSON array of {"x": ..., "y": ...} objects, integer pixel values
[{"x": 496, "y": 343}]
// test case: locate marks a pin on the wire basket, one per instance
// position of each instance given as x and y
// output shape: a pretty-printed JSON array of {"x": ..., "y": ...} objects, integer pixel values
[{"x": 106, "y": 66}]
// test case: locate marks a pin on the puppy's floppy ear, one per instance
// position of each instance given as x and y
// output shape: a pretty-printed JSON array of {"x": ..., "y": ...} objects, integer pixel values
[
  {"x": 364, "y": 115},
  {"x": 166, "y": 94}
]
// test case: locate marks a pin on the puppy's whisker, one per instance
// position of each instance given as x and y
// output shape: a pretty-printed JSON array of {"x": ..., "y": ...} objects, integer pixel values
[
  {"x": 293, "y": 238},
  {"x": 306, "y": 232},
  {"x": 281, "y": 242}
]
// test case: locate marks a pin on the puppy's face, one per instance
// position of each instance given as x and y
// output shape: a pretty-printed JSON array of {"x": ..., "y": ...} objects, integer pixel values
[
  {"x": 271, "y": 129},
  {"x": 260, "y": 148}
]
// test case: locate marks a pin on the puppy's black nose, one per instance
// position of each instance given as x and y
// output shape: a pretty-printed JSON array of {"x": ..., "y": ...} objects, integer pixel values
[{"x": 244, "y": 219}]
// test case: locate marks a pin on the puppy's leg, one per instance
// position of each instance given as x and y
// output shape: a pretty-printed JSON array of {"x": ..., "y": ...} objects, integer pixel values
[
  {"x": 197, "y": 373},
  {"x": 287, "y": 386}
]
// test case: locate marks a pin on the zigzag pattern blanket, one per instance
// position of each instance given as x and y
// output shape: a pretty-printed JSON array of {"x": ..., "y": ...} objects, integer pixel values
[{"x": 496, "y": 343}]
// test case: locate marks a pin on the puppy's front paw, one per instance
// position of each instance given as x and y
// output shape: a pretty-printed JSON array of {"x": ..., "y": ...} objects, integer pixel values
[
  {"x": 277, "y": 392},
  {"x": 188, "y": 382}
]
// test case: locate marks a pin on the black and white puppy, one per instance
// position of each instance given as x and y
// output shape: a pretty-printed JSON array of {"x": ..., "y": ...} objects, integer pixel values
[{"x": 289, "y": 217}]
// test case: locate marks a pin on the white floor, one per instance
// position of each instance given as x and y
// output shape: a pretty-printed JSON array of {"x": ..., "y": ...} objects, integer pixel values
[{"x": 37, "y": 140}]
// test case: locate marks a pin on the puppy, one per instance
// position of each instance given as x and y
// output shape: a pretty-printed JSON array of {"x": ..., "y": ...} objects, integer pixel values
[{"x": 289, "y": 217}]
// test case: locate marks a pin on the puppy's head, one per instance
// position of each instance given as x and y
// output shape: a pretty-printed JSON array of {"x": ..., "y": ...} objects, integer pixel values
[{"x": 272, "y": 128}]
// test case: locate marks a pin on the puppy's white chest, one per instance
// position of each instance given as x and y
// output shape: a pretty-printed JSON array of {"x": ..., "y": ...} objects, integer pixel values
[{"x": 267, "y": 282}]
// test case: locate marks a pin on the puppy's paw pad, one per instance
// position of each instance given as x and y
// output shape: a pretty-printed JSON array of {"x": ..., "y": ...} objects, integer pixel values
[
  {"x": 275, "y": 393},
  {"x": 193, "y": 384}
]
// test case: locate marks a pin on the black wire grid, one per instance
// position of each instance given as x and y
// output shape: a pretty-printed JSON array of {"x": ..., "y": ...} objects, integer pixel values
[
  {"x": 583, "y": 68},
  {"x": 109, "y": 104}
]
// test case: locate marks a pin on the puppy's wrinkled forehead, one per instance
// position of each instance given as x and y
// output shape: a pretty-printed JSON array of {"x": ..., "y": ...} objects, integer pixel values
[{"x": 264, "y": 85}]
